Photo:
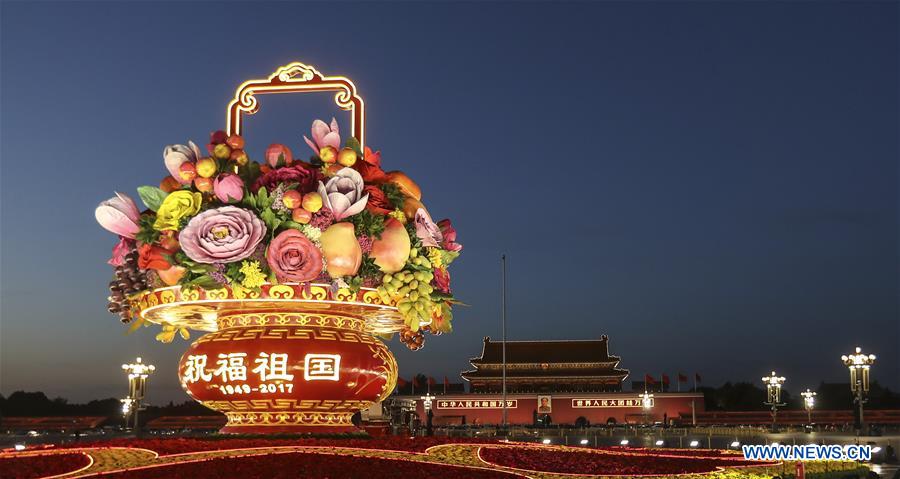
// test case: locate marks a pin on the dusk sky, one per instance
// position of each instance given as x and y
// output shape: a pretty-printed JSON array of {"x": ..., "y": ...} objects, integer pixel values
[{"x": 713, "y": 185}]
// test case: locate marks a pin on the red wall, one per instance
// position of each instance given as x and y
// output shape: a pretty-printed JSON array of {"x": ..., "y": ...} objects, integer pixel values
[{"x": 668, "y": 405}]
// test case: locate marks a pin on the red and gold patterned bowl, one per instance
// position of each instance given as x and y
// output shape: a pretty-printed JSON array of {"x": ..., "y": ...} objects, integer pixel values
[{"x": 286, "y": 358}]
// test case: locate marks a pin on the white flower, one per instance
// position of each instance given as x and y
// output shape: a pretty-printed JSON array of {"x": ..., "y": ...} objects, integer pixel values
[{"x": 343, "y": 193}]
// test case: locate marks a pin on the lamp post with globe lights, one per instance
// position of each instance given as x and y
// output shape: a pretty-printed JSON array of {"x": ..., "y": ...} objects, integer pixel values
[
  {"x": 138, "y": 372},
  {"x": 647, "y": 404},
  {"x": 859, "y": 365},
  {"x": 427, "y": 401},
  {"x": 809, "y": 402},
  {"x": 773, "y": 394}
]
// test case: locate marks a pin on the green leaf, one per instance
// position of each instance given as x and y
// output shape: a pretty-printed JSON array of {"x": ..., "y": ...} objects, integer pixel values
[
  {"x": 250, "y": 200},
  {"x": 448, "y": 256},
  {"x": 292, "y": 225},
  {"x": 204, "y": 281},
  {"x": 262, "y": 198},
  {"x": 353, "y": 144},
  {"x": 369, "y": 224},
  {"x": 393, "y": 194},
  {"x": 151, "y": 196}
]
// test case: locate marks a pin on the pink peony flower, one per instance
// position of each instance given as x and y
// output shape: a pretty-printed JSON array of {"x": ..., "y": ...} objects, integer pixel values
[
  {"x": 120, "y": 251},
  {"x": 294, "y": 258},
  {"x": 343, "y": 194},
  {"x": 307, "y": 178},
  {"x": 323, "y": 135},
  {"x": 176, "y": 155},
  {"x": 229, "y": 188},
  {"x": 426, "y": 230},
  {"x": 119, "y": 215},
  {"x": 276, "y": 152},
  {"x": 449, "y": 234},
  {"x": 222, "y": 235}
]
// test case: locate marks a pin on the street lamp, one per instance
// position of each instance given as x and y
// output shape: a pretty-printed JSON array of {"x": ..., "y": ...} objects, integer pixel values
[
  {"x": 138, "y": 372},
  {"x": 429, "y": 414},
  {"x": 773, "y": 388},
  {"x": 809, "y": 402},
  {"x": 647, "y": 403},
  {"x": 859, "y": 365}
]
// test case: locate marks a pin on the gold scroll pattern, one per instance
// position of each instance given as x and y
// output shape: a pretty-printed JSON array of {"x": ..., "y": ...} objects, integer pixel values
[
  {"x": 203, "y": 309},
  {"x": 302, "y": 418}
]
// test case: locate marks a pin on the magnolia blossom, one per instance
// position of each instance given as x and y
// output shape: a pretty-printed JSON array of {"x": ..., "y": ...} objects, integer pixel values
[
  {"x": 119, "y": 215},
  {"x": 427, "y": 231},
  {"x": 176, "y": 155},
  {"x": 343, "y": 193},
  {"x": 324, "y": 135},
  {"x": 222, "y": 235}
]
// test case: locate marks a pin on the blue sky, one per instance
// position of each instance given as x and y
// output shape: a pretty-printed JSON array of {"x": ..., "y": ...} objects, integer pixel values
[{"x": 713, "y": 185}]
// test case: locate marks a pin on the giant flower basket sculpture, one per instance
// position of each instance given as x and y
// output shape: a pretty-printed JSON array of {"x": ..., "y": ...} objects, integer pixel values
[{"x": 295, "y": 269}]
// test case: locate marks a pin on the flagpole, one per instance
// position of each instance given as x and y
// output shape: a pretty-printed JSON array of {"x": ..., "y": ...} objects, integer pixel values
[{"x": 503, "y": 320}]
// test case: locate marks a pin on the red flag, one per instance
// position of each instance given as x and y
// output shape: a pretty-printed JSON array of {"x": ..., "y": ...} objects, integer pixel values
[
  {"x": 649, "y": 379},
  {"x": 697, "y": 378},
  {"x": 665, "y": 379},
  {"x": 431, "y": 381},
  {"x": 415, "y": 381},
  {"x": 446, "y": 382},
  {"x": 682, "y": 378},
  {"x": 401, "y": 382}
]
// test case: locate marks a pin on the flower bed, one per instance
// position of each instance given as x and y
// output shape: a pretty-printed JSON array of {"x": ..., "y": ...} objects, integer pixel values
[
  {"x": 557, "y": 460},
  {"x": 43, "y": 465},
  {"x": 310, "y": 466},
  {"x": 183, "y": 445},
  {"x": 717, "y": 453}
]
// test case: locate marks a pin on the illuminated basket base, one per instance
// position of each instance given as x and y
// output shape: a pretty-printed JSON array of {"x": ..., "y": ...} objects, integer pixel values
[
  {"x": 289, "y": 371},
  {"x": 289, "y": 422}
]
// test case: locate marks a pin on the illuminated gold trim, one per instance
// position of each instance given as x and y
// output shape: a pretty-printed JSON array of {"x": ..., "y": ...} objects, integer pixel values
[
  {"x": 297, "y": 77},
  {"x": 200, "y": 309}
]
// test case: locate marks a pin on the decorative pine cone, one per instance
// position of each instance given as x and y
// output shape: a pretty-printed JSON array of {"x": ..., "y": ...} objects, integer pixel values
[
  {"x": 129, "y": 280},
  {"x": 413, "y": 341}
]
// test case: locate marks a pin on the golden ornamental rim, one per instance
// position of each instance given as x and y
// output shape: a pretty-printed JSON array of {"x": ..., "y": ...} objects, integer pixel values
[{"x": 199, "y": 308}]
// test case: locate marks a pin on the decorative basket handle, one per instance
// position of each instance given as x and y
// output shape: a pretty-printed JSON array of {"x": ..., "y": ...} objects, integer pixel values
[{"x": 297, "y": 77}]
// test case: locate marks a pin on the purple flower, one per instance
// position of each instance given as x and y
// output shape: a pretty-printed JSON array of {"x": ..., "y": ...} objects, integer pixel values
[
  {"x": 222, "y": 235},
  {"x": 343, "y": 193}
]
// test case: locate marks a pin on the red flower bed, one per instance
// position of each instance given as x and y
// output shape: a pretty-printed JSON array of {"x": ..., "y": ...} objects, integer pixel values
[
  {"x": 309, "y": 466},
  {"x": 584, "y": 462},
  {"x": 182, "y": 445},
  {"x": 29, "y": 467}
]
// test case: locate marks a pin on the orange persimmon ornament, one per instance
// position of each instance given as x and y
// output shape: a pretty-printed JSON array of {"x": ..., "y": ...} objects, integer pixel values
[{"x": 405, "y": 183}]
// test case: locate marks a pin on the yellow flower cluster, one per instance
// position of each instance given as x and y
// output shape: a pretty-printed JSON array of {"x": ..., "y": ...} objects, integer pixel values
[
  {"x": 434, "y": 255},
  {"x": 398, "y": 215},
  {"x": 253, "y": 276}
]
